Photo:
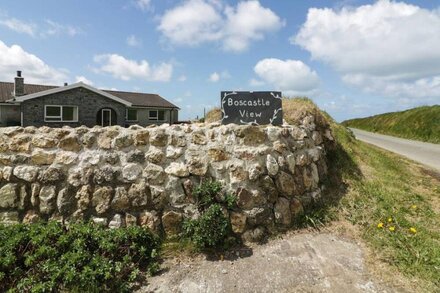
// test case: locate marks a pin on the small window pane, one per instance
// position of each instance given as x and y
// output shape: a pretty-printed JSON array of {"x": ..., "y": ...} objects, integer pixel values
[
  {"x": 68, "y": 113},
  {"x": 161, "y": 115},
  {"x": 53, "y": 119},
  {"x": 131, "y": 115},
  {"x": 153, "y": 115},
  {"x": 53, "y": 111}
]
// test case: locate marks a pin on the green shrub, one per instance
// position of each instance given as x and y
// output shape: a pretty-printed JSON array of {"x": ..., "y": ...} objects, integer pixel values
[
  {"x": 48, "y": 257},
  {"x": 209, "y": 193},
  {"x": 210, "y": 230}
]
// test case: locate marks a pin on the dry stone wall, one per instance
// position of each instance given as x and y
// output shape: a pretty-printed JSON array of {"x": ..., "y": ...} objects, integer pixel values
[{"x": 145, "y": 176}]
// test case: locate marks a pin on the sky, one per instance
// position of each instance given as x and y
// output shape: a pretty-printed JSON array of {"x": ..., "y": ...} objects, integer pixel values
[{"x": 354, "y": 58}]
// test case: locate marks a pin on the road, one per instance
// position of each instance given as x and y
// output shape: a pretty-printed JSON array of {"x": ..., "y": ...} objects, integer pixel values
[{"x": 423, "y": 152}]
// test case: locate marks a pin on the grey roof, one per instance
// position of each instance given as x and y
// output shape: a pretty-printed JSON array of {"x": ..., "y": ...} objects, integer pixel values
[{"x": 137, "y": 99}]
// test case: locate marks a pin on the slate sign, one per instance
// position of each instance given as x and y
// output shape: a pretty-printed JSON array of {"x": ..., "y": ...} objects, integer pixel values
[{"x": 252, "y": 108}]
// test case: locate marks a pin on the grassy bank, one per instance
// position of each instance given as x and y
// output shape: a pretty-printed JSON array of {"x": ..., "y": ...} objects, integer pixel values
[{"x": 422, "y": 123}]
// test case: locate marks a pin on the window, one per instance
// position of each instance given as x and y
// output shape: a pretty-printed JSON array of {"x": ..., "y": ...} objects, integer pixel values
[
  {"x": 131, "y": 115},
  {"x": 61, "y": 113},
  {"x": 158, "y": 115}
]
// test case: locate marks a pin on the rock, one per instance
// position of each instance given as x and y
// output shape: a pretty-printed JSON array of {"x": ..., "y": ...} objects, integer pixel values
[
  {"x": 317, "y": 138},
  {"x": 7, "y": 173},
  {"x": 158, "y": 138},
  {"x": 66, "y": 158},
  {"x": 20, "y": 144},
  {"x": 121, "y": 200},
  {"x": 130, "y": 220},
  {"x": 31, "y": 217},
  {"x": 269, "y": 188},
  {"x": 101, "y": 199},
  {"x": 42, "y": 141},
  {"x": 105, "y": 174},
  {"x": 26, "y": 173},
  {"x": 238, "y": 222},
  {"x": 141, "y": 137},
  {"x": 8, "y": 196},
  {"x": 70, "y": 143},
  {"x": 111, "y": 158},
  {"x": 273, "y": 133},
  {"x": 9, "y": 218},
  {"x": 296, "y": 208},
  {"x": 131, "y": 172},
  {"x": 100, "y": 221},
  {"x": 40, "y": 157},
  {"x": 291, "y": 163},
  {"x": 315, "y": 153},
  {"x": 177, "y": 169},
  {"x": 105, "y": 138},
  {"x": 116, "y": 222},
  {"x": 280, "y": 147},
  {"x": 255, "y": 172},
  {"x": 65, "y": 203},
  {"x": 89, "y": 140},
  {"x": 173, "y": 152},
  {"x": 172, "y": 222},
  {"x": 258, "y": 216},
  {"x": 154, "y": 174},
  {"x": 123, "y": 141},
  {"x": 302, "y": 158},
  {"x": 217, "y": 154},
  {"x": 155, "y": 155},
  {"x": 272, "y": 165},
  {"x": 5, "y": 159},
  {"x": 188, "y": 187},
  {"x": 35, "y": 191},
  {"x": 247, "y": 199},
  {"x": 23, "y": 198},
  {"x": 136, "y": 156},
  {"x": 139, "y": 194},
  {"x": 252, "y": 135},
  {"x": 178, "y": 140},
  {"x": 79, "y": 176},
  {"x": 282, "y": 212},
  {"x": 51, "y": 175},
  {"x": 198, "y": 137},
  {"x": 255, "y": 235},
  {"x": 197, "y": 165},
  {"x": 286, "y": 184},
  {"x": 47, "y": 198},
  {"x": 175, "y": 191},
  {"x": 150, "y": 220},
  {"x": 159, "y": 197}
]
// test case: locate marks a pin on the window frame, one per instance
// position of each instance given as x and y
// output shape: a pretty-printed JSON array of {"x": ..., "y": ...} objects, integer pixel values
[
  {"x": 157, "y": 115},
  {"x": 126, "y": 115},
  {"x": 75, "y": 114}
]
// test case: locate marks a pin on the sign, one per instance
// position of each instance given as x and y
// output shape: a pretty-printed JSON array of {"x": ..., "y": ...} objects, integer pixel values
[{"x": 251, "y": 108}]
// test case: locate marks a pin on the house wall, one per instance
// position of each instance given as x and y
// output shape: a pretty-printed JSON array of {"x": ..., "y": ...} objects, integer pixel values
[
  {"x": 88, "y": 102},
  {"x": 10, "y": 115},
  {"x": 143, "y": 114}
]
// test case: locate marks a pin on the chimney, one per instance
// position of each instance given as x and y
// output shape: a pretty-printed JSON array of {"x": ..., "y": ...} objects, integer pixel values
[
  {"x": 66, "y": 84},
  {"x": 19, "y": 85}
]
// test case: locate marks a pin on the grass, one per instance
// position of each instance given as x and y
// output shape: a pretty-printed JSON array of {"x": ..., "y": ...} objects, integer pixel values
[{"x": 422, "y": 123}]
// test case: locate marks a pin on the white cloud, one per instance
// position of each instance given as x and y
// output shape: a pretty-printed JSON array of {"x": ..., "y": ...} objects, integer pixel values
[
  {"x": 202, "y": 21},
  {"x": 133, "y": 41},
  {"x": 121, "y": 68},
  {"x": 256, "y": 83},
  {"x": 34, "y": 69},
  {"x": 54, "y": 28},
  {"x": 83, "y": 79},
  {"x": 293, "y": 77},
  {"x": 143, "y": 4},
  {"x": 214, "y": 77},
  {"x": 19, "y": 26},
  {"x": 388, "y": 47},
  {"x": 182, "y": 78}
]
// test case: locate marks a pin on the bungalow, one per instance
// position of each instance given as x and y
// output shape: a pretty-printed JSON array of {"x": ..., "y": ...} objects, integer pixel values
[{"x": 79, "y": 104}]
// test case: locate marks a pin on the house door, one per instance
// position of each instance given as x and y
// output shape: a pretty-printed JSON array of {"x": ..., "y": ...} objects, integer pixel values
[{"x": 106, "y": 117}]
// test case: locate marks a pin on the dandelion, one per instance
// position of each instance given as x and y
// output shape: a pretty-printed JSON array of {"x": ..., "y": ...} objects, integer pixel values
[
  {"x": 413, "y": 230},
  {"x": 392, "y": 228},
  {"x": 380, "y": 225},
  {"x": 414, "y": 206},
  {"x": 390, "y": 220}
]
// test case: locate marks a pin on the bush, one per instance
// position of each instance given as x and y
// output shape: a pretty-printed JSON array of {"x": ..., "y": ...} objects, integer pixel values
[
  {"x": 48, "y": 257},
  {"x": 213, "y": 227}
]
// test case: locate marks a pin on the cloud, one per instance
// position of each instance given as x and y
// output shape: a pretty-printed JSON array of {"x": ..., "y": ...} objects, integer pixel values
[
  {"x": 182, "y": 78},
  {"x": 34, "y": 69},
  {"x": 83, "y": 79},
  {"x": 42, "y": 30},
  {"x": 19, "y": 26},
  {"x": 143, "y": 5},
  {"x": 293, "y": 77},
  {"x": 256, "y": 83},
  {"x": 195, "y": 22},
  {"x": 215, "y": 77},
  {"x": 133, "y": 41},
  {"x": 125, "y": 69},
  {"x": 387, "y": 47}
]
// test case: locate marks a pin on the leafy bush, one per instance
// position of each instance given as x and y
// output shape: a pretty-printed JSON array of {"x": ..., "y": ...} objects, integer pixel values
[
  {"x": 212, "y": 228},
  {"x": 48, "y": 257}
]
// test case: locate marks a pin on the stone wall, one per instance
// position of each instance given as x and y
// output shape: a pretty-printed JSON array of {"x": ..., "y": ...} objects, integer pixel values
[{"x": 145, "y": 176}]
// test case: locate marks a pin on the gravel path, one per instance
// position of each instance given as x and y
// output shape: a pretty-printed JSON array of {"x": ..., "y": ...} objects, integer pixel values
[
  {"x": 312, "y": 262},
  {"x": 425, "y": 153}
]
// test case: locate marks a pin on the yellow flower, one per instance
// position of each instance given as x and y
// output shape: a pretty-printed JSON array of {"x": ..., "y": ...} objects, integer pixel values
[
  {"x": 380, "y": 225},
  {"x": 392, "y": 228},
  {"x": 413, "y": 206},
  {"x": 390, "y": 220},
  {"x": 413, "y": 230}
]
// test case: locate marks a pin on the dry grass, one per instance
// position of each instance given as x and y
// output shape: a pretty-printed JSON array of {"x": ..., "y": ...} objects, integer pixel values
[
  {"x": 295, "y": 109},
  {"x": 213, "y": 115}
]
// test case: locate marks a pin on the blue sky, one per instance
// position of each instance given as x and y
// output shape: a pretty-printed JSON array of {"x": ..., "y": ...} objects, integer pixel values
[{"x": 353, "y": 58}]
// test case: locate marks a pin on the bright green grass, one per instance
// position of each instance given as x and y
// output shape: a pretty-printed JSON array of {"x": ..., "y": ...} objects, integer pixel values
[{"x": 422, "y": 123}]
